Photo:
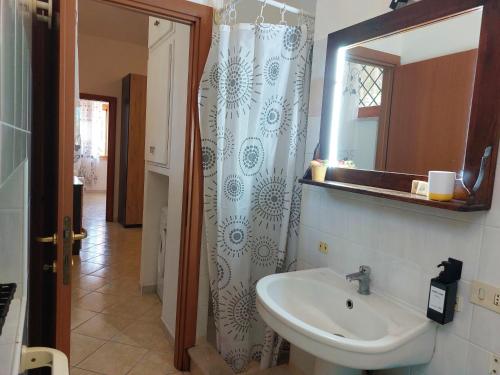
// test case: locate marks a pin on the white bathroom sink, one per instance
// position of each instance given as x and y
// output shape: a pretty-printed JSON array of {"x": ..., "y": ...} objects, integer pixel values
[{"x": 321, "y": 313}]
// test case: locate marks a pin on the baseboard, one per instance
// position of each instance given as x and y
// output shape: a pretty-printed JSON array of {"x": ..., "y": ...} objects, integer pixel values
[
  {"x": 148, "y": 289},
  {"x": 170, "y": 336},
  {"x": 206, "y": 361}
]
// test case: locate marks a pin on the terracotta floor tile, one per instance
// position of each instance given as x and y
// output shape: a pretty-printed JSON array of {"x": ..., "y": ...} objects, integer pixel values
[
  {"x": 97, "y": 301},
  {"x": 123, "y": 286},
  {"x": 85, "y": 255},
  {"x": 82, "y": 347},
  {"x": 108, "y": 273},
  {"x": 89, "y": 282},
  {"x": 154, "y": 363},
  {"x": 103, "y": 260},
  {"x": 103, "y": 326},
  {"x": 144, "y": 335},
  {"x": 113, "y": 359},
  {"x": 78, "y": 293},
  {"x": 80, "y": 316},
  {"x": 132, "y": 307},
  {"x": 79, "y": 371},
  {"x": 88, "y": 267},
  {"x": 152, "y": 315}
]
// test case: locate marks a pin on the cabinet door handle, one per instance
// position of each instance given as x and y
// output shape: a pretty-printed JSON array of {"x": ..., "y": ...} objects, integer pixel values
[
  {"x": 157, "y": 23},
  {"x": 152, "y": 149}
]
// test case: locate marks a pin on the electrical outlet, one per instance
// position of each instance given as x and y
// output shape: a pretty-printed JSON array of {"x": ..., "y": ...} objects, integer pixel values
[
  {"x": 494, "y": 365},
  {"x": 323, "y": 247},
  {"x": 485, "y": 295}
]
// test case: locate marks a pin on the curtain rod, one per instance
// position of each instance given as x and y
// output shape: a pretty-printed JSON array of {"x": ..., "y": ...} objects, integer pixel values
[{"x": 280, "y": 5}]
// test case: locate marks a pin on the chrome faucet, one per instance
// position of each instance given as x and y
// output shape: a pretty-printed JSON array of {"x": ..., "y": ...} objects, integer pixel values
[{"x": 363, "y": 276}]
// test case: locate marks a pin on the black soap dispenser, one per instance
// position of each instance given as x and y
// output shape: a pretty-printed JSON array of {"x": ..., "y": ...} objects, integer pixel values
[{"x": 443, "y": 292}]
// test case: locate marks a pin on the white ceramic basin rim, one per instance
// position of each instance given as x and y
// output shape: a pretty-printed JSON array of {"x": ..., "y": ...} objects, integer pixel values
[{"x": 319, "y": 309}]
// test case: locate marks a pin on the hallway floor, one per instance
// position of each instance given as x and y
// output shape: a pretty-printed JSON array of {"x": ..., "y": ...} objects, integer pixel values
[{"x": 115, "y": 329}]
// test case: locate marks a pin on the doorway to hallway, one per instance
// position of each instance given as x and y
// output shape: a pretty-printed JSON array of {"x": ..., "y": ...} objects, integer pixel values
[
  {"x": 114, "y": 329},
  {"x": 95, "y": 145}
]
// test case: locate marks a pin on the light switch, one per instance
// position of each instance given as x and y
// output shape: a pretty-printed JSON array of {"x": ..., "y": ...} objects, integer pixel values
[{"x": 485, "y": 295}]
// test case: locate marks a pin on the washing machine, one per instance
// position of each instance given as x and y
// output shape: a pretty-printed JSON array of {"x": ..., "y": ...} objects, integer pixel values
[{"x": 161, "y": 252}]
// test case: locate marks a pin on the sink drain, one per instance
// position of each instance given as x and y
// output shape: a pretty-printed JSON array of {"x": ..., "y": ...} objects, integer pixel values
[{"x": 349, "y": 304}]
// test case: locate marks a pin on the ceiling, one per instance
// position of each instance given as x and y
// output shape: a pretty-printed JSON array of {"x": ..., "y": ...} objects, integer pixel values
[{"x": 112, "y": 22}]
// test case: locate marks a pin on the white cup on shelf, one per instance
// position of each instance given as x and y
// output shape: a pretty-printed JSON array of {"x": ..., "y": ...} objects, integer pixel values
[{"x": 441, "y": 185}]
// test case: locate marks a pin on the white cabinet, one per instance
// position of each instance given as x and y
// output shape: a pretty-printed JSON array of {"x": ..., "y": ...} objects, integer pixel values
[
  {"x": 168, "y": 79},
  {"x": 158, "y": 28},
  {"x": 159, "y": 101}
]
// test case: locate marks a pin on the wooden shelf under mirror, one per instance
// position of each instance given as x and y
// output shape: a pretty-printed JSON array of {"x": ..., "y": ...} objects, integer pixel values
[
  {"x": 411, "y": 91},
  {"x": 454, "y": 205}
]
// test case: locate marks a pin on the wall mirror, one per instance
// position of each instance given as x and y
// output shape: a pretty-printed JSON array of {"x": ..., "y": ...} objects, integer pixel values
[{"x": 412, "y": 91}]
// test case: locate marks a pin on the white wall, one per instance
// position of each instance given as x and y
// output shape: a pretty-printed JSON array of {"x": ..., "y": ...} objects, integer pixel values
[
  {"x": 442, "y": 38},
  {"x": 103, "y": 64},
  {"x": 403, "y": 243}
]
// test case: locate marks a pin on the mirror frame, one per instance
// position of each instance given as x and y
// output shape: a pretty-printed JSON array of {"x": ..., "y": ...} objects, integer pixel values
[{"x": 475, "y": 191}]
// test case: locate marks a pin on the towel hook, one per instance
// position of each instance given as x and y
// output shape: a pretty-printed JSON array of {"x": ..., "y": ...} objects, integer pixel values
[
  {"x": 283, "y": 11},
  {"x": 260, "y": 18}
]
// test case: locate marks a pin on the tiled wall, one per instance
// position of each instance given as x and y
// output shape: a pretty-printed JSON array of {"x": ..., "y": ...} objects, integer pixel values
[
  {"x": 15, "y": 96},
  {"x": 402, "y": 243},
  {"x": 15, "y": 120}
]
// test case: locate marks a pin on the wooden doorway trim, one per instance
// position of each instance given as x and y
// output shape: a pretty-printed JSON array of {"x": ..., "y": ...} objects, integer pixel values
[
  {"x": 199, "y": 18},
  {"x": 110, "y": 169}
]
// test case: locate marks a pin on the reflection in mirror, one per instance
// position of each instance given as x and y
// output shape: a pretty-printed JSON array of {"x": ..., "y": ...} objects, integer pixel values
[{"x": 403, "y": 102}]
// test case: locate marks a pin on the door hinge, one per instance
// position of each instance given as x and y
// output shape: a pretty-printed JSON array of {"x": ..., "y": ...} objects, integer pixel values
[{"x": 43, "y": 11}]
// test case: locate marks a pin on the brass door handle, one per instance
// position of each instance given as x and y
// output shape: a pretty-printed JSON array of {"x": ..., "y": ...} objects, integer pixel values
[
  {"x": 80, "y": 236},
  {"x": 50, "y": 239}
]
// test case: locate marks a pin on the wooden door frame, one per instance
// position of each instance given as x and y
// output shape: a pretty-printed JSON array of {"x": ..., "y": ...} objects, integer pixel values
[
  {"x": 199, "y": 18},
  {"x": 65, "y": 163},
  {"x": 110, "y": 168}
]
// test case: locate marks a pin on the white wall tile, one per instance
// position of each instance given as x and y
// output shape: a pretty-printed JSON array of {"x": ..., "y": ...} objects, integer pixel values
[
  {"x": 485, "y": 329},
  {"x": 493, "y": 216},
  {"x": 450, "y": 357},
  {"x": 489, "y": 260},
  {"x": 7, "y": 152},
  {"x": 478, "y": 361},
  {"x": 463, "y": 319},
  {"x": 443, "y": 238},
  {"x": 11, "y": 246},
  {"x": 403, "y": 243}
]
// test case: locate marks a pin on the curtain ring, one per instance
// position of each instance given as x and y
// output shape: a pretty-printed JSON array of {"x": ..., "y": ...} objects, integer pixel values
[
  {"x": 283, "y": 11},
  {"x": 300, "y": 19},
  {"x": 260, "y": 18},
  {"x": 232, "y": 14},
  {"x": 223, "y": 12}
]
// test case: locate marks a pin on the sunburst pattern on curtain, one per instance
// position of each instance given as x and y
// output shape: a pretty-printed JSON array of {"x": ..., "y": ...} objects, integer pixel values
[{"x": 253, "y": 115}]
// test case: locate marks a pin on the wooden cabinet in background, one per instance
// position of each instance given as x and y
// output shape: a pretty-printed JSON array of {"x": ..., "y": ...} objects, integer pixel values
[{"x": 132, "y": 139}]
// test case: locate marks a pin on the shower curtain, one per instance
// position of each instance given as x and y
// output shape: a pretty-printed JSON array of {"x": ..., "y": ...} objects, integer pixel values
[{"x": 253, "y": 117}]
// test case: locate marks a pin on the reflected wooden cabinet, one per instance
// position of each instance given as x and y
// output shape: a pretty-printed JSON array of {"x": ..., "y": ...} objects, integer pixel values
[
  {"x": 161, "y": 63},
  {"x": 131, "y": 195}
]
